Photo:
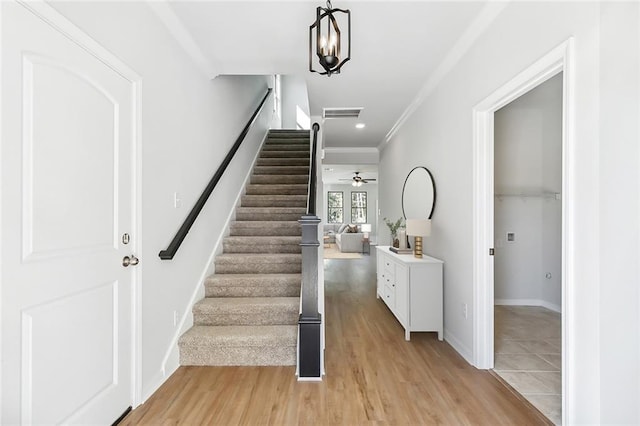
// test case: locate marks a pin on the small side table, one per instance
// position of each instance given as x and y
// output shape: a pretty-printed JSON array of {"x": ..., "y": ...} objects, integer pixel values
[
  {"x": 327, "y": 241},
  {"x": 366, "y": 246}
]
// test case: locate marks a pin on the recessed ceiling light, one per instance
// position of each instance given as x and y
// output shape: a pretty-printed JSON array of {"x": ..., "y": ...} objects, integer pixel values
[{"x": 360, "y": 126}]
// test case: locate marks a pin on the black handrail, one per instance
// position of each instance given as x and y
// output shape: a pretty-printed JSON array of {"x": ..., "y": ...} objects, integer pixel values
[
  {"x": 311, "y": 201},
  {"x": 195, "y": 211}
]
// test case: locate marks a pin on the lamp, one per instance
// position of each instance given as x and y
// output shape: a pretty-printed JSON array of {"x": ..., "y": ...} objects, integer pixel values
[
  {"x": 328, "y": 39},
  {"x": 365, "y": 228},
  {"x": 418, "y": 228}
]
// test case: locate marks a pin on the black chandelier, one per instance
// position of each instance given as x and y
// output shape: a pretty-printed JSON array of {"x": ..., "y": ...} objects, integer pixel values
[{"x": 328, "y": 39}]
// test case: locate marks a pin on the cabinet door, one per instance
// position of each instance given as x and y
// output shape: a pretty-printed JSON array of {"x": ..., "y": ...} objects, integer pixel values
[{"x": 401, "y": 294}]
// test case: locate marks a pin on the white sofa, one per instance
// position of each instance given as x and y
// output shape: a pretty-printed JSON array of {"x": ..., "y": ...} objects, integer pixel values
[{"x": 350, "y": 242}]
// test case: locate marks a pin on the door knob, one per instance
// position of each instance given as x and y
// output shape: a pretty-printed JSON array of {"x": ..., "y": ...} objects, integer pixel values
[{"x": 133, "y": 261}]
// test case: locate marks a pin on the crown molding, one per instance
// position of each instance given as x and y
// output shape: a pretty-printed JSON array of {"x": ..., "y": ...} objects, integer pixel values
[{"x": 479, "y": 25}]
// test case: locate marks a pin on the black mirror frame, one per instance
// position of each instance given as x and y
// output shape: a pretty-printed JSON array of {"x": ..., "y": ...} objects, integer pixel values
[{"x": 433, "y": 184}]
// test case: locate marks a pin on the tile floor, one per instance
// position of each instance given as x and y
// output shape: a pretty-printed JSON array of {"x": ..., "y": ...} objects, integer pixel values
[{"x": 528, "y": 355}]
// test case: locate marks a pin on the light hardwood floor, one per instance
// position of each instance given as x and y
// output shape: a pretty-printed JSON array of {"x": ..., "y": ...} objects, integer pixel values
[{"x": 373, "y": 376}]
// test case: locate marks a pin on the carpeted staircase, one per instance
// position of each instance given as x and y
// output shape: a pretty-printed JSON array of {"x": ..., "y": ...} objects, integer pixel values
[{"x": 249, "y": 315}]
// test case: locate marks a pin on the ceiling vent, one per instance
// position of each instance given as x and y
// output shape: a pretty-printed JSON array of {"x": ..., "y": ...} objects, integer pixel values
[{"x": 341, "y": 112}]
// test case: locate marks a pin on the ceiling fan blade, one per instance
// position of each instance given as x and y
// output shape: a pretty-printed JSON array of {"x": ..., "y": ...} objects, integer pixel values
[{"x": 346, "y": 179}]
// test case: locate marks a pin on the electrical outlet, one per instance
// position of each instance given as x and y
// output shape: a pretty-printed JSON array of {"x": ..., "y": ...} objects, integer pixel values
[
  {"x": 175, "y": 318},
  {"x": 464, "y": 310}
]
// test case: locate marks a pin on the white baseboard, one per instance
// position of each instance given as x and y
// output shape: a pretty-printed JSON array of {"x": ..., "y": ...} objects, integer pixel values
[
  {"x": 458, "y": 346},
  {"x": 528, "y": 302}
]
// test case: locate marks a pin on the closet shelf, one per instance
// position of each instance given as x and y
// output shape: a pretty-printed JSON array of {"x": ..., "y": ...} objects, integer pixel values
[{"x": 548, "y": 195}]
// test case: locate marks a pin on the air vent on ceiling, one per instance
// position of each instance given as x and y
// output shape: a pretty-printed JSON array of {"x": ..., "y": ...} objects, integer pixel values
[{"x": 341, "y": 112}]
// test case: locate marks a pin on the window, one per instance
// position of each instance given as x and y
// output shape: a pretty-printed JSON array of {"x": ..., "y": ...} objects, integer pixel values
[
  {"x": 335, "y": 201},
  {"x": 358, "y": 207}
]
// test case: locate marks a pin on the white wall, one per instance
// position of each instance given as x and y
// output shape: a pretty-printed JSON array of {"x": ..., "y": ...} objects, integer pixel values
[
  {"x": 372, "y": 199},
  {"x": 528, "y": 166},
  {"x": 188, "y": 124},
  {"x": 351, "y": 156},
  {"x": 604, "y": 339},
  {"x": 294, "y": 96}
]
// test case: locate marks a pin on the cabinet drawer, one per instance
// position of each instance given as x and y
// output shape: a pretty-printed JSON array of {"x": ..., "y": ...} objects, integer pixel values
[
  {"x": 389, "y": 269},
  {"x": 390, "y": 296},
  {"x": 388, "y": 280}
]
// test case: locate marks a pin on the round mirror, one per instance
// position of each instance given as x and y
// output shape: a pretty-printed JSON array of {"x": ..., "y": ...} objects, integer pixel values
[{"x": 419, "y": 194}]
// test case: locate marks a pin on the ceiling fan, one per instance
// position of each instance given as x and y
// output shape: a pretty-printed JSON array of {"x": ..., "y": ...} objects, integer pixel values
[{"x": 358, "y": 180}]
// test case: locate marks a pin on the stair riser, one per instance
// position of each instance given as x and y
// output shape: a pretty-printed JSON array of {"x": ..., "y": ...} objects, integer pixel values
[
  {"x": 259, "y": 268},
  {"x": 268, "y": 216},
  {"x": 282, "y": 162},
  {"x": 299, "y": 145},
  {"x": 297, "y": 189},
  {"x": 286, "y": 147},
  {"x": 261, "y": 248},
  {"x": 250, "y": 215},
  {"x": 228, "y": 356},
  {"x": 279, "y": 179},
  {"x": 252, "y": 291},
  {"x": 286, "y": 138},
  {"x": 266, "y": 317},
  {"x": 285, "y": 154},
  {"x": 281, "y": 170},
  {"x": 238, "y": 230},
  {"x": 257, "y": 201}
]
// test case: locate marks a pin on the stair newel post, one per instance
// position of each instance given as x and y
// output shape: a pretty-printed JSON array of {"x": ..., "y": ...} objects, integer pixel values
[{"x": 310, "y": 322}]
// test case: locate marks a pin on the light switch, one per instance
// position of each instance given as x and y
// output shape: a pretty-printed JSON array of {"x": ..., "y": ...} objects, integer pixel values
[
  {"x": 177, "y": 202},
  {"x": 511, "y": 237}
]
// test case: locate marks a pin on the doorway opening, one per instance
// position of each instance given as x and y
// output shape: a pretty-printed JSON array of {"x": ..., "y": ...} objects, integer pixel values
[
  {"x": 528, "y": 245},
  {"x": 558, "y": 64}
]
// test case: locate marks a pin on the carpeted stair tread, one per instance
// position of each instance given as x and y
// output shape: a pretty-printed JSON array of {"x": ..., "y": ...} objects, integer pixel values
[
  {"x": 281, "y": 170},
  {"x": 241, "y": 335},
  {"x": 247, "y": 311},
  {"x": 274, "y": 179},
  {"x": 251, "y": 263},
  {"x": 270, "y": 213},
  {"x": 298, "y": 143},
  {"x": 264, "y": 228},
  {"x": 262, "y": 244},
  {"x": 273, "y": 201},
  {"x": 284, "y": 154},
  {"x": 239, "y": 345},
  {"x": 282, "y": 162},
  {"x": 286, "y": 147},
  {"x": 253, "y": 285},
  {"x": 277, "y": 189},
  {"x": 288, "y": 139},
  {"x": 256, "y": 258}
]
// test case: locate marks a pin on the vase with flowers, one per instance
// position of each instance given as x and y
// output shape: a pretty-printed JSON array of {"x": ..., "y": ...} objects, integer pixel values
[{"x": 393, "y": 228}]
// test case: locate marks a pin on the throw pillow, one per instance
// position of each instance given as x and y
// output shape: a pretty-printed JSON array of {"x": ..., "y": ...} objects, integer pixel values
[
  {"x": 342, "y": 228},
  {"x": 352, "y": 229}
]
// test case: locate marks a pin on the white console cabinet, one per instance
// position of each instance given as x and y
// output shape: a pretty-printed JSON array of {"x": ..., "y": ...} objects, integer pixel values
[{"x": 412, "y": 289}]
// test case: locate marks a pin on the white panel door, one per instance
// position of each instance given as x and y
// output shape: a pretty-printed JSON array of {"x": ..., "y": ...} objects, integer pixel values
[{"x": 67, "y": 174}]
